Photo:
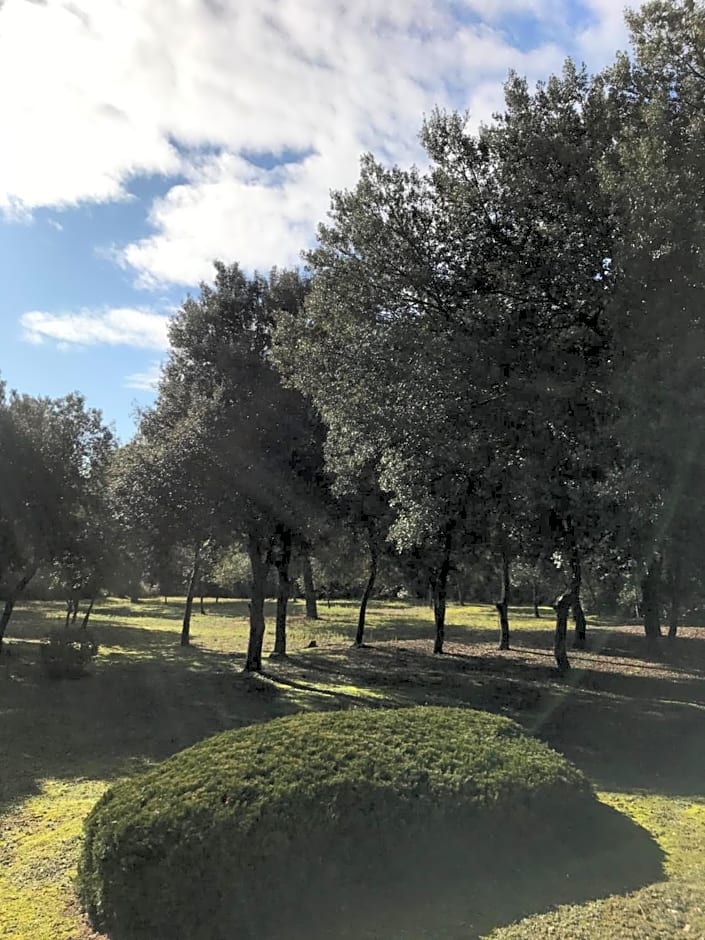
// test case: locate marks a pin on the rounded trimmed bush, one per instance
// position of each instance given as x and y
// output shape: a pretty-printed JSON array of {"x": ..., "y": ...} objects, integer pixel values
[{"x": 276, "y": 827}]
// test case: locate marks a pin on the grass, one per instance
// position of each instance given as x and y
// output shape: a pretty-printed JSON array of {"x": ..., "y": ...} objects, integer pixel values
[{"x": 630, "y": 720}]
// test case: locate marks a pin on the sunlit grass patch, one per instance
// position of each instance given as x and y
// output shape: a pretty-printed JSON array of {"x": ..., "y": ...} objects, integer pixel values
[{"x": 39, "y": 844}]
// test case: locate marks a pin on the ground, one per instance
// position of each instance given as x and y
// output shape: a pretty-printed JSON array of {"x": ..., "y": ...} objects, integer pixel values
[{"x": 631, "y": 717}]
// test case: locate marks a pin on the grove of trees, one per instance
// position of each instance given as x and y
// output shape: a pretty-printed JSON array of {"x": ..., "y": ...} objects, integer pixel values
[{"x": 489, "y": 370}]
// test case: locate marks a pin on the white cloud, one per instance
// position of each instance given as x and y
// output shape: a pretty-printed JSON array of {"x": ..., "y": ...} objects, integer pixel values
[
  {"x": 599, "y": 43},
  {"x": 118, "y": 326},
  {"x": 120, "y": 88},
  {"x": 146, "y": 381}
]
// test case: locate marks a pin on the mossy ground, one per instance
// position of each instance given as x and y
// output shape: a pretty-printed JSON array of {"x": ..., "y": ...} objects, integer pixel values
[{"x": 632, "y": 720}]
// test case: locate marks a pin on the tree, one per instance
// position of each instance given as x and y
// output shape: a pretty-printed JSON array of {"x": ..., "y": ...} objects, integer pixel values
[
  {"x": 53, "y": 457},
  {"x": 257, "y": 442},
  {"x": 656, "y": 174},
  {"x": 164, "y": 491},
  {"x": 446, "y": 301},
  {"x": 549, "y": 223},
  {"x": 384, "y": 352}
]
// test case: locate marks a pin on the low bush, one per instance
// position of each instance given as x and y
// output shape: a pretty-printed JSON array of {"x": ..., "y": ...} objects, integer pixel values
[
  {"x": 309, "y": 822},
  {"x": 67, "y": 653}
]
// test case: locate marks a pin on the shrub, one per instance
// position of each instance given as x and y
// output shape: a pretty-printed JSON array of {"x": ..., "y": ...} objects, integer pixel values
[
  {"x": 66, "y": 653},
  {"x": 255, "y": 831}
]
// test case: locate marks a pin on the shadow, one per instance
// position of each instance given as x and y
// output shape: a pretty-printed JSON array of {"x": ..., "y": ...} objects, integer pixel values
[
  {"x": 485, "y": 874},
  {"x": 452, "y": 874},
  {"x": 139, "y": 705}
]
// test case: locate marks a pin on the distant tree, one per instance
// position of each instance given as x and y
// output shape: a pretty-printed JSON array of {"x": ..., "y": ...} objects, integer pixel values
[
  {"x": 53, "y": 457},
  {"x": 257, "y": 442},
  {"x": 163, "y": 486}
]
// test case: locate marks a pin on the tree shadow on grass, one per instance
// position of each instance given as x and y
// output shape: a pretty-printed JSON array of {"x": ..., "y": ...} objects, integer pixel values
[{"x": 138, "y": 707}]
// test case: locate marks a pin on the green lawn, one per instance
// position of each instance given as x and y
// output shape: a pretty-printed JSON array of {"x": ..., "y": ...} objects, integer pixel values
[{"x": 634, "y": 724}]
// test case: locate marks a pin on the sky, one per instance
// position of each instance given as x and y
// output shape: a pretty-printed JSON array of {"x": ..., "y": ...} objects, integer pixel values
[{"x": 143, "y": 139}]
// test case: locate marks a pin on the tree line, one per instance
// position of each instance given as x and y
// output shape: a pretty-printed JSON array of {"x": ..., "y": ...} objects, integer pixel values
[{"x": 496, "y": 360}]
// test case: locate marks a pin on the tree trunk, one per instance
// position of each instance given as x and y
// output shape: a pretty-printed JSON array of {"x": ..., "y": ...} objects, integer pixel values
[
  {"x": 366, "y": 596},
  {"x": 186, "y": 626},
  {"x": 562, "y": 606},
  {"x": 535, "y": 600},
  {"x": 87, "y": 615},
  {"x": 576, "y": 583},
  {"x": 460, "y": 592},
  {"x": 651, "y": 599},
  {"x": 69, "y": 608},
  {"x": 580, "y": 624},
  {"x": 282, "y": 561},
  {"x": 74, "y": 612},
  {"x": 202, "y": 608},
  {"x": 166, "y": 599},
  {"x": 11, "y": 599},
  {"x": 502, "y": 604},
  {"x": 258, "y": 562},
  {"x": 440, "y": 585},
  {"x": 5, "y": 619},
  {"x": 674, "y": 607},
  {"x": 309, "y": 589}
]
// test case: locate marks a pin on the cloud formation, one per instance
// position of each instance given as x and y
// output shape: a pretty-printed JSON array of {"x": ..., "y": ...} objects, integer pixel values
[
  {"x": 118, "y": 326},
  {"x": 147, "y": 381},
  {"x": 214, "y": 92}
]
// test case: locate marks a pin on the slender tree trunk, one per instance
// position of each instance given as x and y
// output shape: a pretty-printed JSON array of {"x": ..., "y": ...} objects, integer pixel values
[
  {"x": 202, "y": 608},
  {"x": 440, "y": 585},
  {"x": 69, "y": 608},
  {"x": 502, "y": 604},
  {"x": 186, "y": 626},
  {"x": 282, "y": 562},
  {"x": 674, "y": 616},
  {"x": 5, "y": 619},
  {"x": 576, "y": 583},
  {"x": 258, "y": 563},
  {"x": 87, "y": 615},
  {"x": 74, "y": 612},
  {"x": 651, "y": 599},
  {"x": 580, "y": 624},
  {"x": 369, "y": 587},
  {"x": 12, "y": 598},
  {"x": 675, "y": 588},
  {"x": 460, "y": 592},
  {"x": 535, "y": 599},
  {"x": 309, "y": 588},
  {"x": 562, "y": 606},
  {"x": 166, "y": 599}
]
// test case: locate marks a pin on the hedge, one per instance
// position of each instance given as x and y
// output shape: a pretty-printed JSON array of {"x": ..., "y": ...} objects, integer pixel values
[{"x": 264, "y": 830}]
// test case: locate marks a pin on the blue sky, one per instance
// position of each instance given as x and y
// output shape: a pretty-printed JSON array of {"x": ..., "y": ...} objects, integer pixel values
[{"x": 143, "y": 140}]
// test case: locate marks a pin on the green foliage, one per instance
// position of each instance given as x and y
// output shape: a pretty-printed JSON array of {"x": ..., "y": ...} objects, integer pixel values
[
  {"x": 53, "y": 459},
  {"x": 67, "y": 653},
  {"x": 243, "y": 830}
]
